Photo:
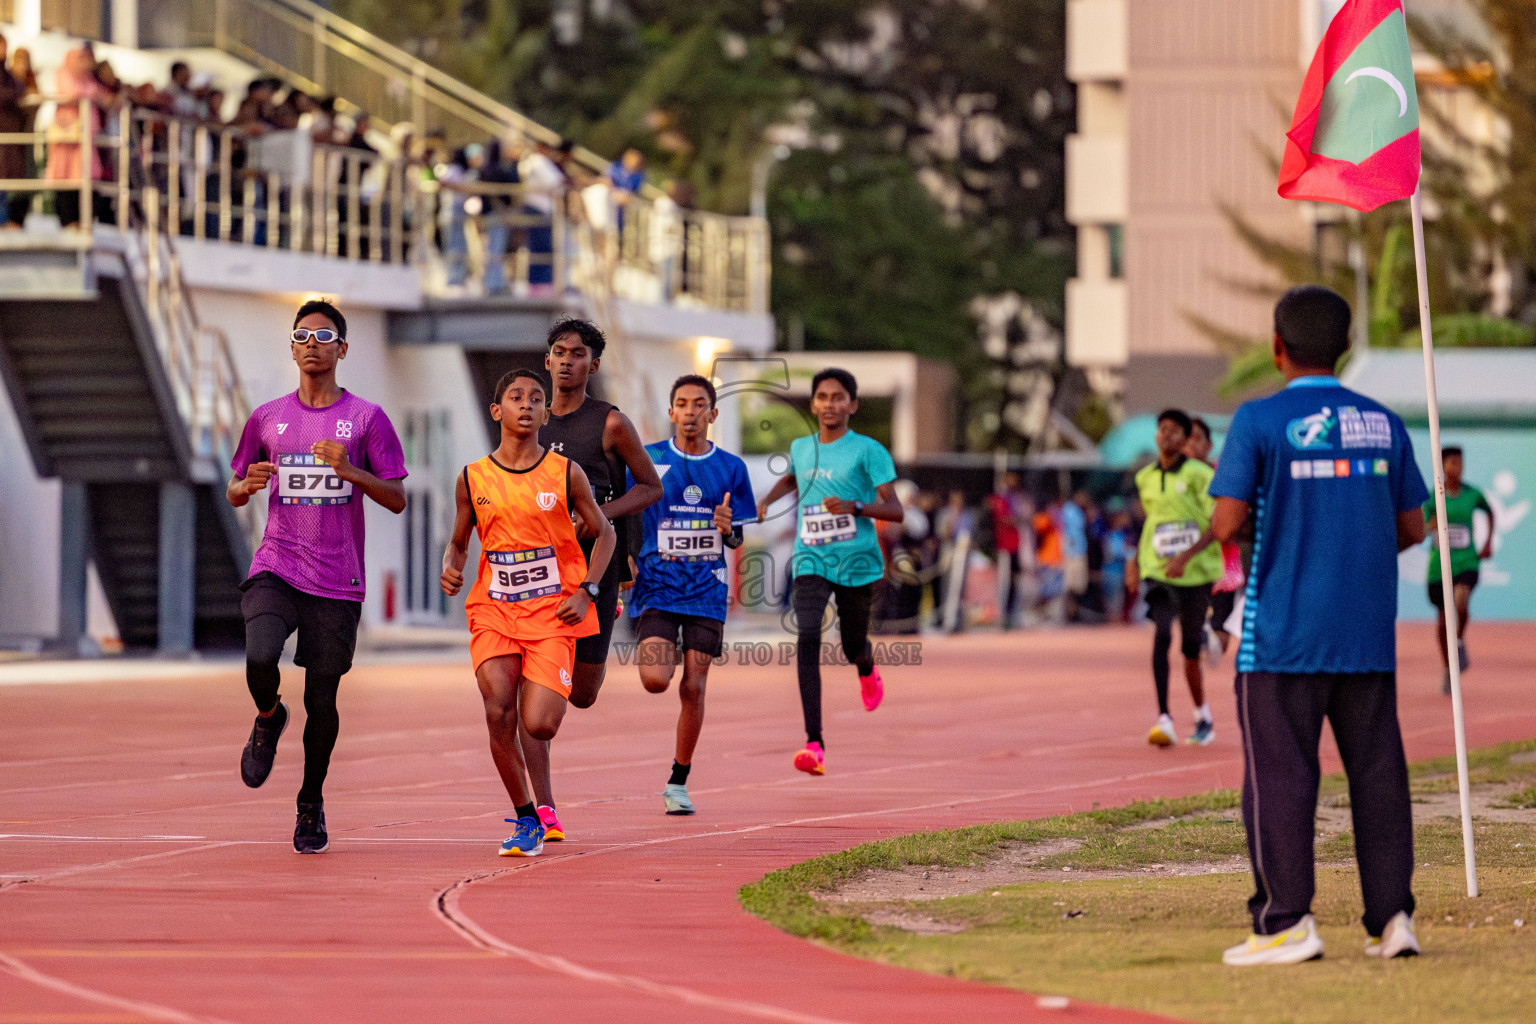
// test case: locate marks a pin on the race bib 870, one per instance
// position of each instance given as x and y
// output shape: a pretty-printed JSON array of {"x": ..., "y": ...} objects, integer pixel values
[
  {"x": 304, "y": 479},
  {"x": 522, "y": 575}
]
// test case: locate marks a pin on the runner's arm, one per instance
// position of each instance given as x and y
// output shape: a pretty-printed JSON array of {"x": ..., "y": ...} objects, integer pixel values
[
  {"x": 241, "y": 488},
  {"x": 1228, "y": 519},
  {"x": 1178, "y": 563},
  {"x": 1487, "y": 551},
  {"x": 782, "y": 486},
  {"x": 733, "y": 537},
  {"x": 888, "y": 507},
  {"x": 457, "y": 551},
  {"x": 620, "y": 438},
  {"x": 574, "y": 608},
  {"x": 1410, "y": 529},
  {"x": 389, "y": 493}
]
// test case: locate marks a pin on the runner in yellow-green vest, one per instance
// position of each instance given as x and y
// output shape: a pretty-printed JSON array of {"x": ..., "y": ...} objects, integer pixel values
[
  {"x": 1462, "y": 500},
  {"x": 1178, "y": 563}
]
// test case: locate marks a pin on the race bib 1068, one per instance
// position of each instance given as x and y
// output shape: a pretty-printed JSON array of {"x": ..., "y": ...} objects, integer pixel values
[
  {"x": 818, "y": 526},
  {"x": 1170, "y": 539},
  {"x": 304, "y": 479},
  {"x": 689, "y": 540},
  {"x": 522, "y": 575}
]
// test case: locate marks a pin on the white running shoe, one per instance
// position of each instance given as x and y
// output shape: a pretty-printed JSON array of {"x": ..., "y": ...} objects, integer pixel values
[
  {"x": 1397, "y": 939},
  {"x": 1213, "y": 648},
  {"x": 1292, "y": 946},
  {"x": 1163, "y": 733},
  {"x": 676, "y": 800}
]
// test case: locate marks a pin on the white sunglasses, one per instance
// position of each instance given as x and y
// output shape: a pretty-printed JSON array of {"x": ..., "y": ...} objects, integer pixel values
[{"x": 324, "y": 335}]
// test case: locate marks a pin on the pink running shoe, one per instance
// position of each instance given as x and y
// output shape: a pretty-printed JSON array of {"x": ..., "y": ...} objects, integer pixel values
[
  {"x": 812, "y": 760},
  {"x": 872, "y": 689},
  {"x": 553, "y": 833}
]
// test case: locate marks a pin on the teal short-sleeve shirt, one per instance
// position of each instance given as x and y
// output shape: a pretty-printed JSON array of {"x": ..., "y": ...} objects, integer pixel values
[{"x": 841, "y": 548}]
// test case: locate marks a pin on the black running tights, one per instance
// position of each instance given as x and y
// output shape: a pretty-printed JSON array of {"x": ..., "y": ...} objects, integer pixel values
[
  {"x": 264, "y": 639},
  {"x": 853, "y": 603},
  {"x": 1165, "y": 605}
]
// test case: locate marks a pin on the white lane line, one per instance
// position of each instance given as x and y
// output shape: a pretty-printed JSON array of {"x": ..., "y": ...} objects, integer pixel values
[
  {"x": 153, "y": 1011},
  {"x": 445, "y": 905},
  {"x": 81, "y": 869}
]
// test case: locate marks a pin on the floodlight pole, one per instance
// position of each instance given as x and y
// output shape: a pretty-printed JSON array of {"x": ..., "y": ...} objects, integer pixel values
[{"x": 1443, "y": 540}]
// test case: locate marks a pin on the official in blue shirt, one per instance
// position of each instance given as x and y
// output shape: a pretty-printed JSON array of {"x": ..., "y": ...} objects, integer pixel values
[
  {"x": 1328, "y": 480},
  {"x": 682, "y": 577}
]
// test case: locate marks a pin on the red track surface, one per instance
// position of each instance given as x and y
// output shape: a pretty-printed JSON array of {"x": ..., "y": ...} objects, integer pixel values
[{"x": 139, "y": 880}]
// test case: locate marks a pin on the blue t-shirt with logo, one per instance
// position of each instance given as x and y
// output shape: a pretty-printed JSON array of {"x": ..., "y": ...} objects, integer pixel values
[
  {"x": 1325, "y": 471},
  {"x": 842, "y": 548},
  {"x": 682, "y": 556}
]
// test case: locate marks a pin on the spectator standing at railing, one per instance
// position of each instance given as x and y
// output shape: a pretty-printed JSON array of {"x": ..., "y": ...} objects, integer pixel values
[
  {"x": 626, "y": 176},
  {"x": 29, "y": 101},
  {"x": 13, "y": 159},
  {"x": 354, "y": 136},
  {"x": 666, "y": 239},
  {"x": 452, "y": 178},
  {"x": 543, "y": 186},
  {"x": 253, "y": 116},
  {"x": 500, "y": 170},
  {"x": 74, "y": 81}
]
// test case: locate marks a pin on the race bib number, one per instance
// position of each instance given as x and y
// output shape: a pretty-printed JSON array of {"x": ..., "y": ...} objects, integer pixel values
[
  {"x": 1171, "y": 539},
  {"x": 306, "y": 480},
  {"x": 1461, "y": 536},
  {"x": 522, "y": 575},
  {"x": 689, "y": 540},
  {"x": 818, "y": 526}
]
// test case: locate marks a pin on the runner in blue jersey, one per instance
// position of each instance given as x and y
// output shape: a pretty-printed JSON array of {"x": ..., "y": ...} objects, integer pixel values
[
  {"x": 842, "y": 480},
  {"x": 682, "y": 579},
  {"x": 1328, "y": 477}
]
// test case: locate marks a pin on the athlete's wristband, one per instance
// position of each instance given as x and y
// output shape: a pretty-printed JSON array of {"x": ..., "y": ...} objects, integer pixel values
[{"x": 858, "y": 509}]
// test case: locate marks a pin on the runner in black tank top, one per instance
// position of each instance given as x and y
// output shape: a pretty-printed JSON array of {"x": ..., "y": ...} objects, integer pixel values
[
  {"x": 603, "y": 442},
  {"x": 578, "y": 436}
]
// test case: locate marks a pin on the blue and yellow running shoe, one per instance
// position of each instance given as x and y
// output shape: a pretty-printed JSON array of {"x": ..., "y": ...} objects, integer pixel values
[{"x": 527, "y": 841}]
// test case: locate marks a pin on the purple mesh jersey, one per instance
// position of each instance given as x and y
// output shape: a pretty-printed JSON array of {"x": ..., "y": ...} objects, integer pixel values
[{"x": 314, "y": 535}]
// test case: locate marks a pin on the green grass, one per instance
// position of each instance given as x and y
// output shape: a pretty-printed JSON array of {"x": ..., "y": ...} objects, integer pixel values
[{"x": 1153, "y": 941}]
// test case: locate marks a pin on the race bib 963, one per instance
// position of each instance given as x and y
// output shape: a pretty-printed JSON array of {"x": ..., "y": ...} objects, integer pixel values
[{"x": 521, "y": 575}]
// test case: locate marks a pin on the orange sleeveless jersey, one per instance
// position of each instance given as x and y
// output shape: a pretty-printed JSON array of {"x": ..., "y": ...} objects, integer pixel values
[{"x": 530, "y": 560}]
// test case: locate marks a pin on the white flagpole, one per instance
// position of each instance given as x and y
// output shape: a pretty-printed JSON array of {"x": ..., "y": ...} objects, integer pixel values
[{"x": 1443, "y": 540}]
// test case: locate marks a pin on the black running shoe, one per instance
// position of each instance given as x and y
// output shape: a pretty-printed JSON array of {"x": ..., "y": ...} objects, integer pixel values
[
  {"x": 261, "y": 749},
  {"x": 309, "y": 834}
]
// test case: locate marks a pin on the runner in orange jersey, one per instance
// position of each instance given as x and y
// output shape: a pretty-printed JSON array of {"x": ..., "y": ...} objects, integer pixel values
[{"x": 532, "y": 596}]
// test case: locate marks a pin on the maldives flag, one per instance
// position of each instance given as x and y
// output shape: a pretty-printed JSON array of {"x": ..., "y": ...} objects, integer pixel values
[{"x": 1354, "y": 138}]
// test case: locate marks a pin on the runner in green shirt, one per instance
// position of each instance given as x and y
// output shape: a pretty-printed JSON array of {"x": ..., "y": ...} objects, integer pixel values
[
  {"x": 1178, "y": 563},
  {"x": 1461, "y": 501}
]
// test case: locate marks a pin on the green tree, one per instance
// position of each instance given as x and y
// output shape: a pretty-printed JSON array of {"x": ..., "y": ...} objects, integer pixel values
[{"x": 929, "y": 138}]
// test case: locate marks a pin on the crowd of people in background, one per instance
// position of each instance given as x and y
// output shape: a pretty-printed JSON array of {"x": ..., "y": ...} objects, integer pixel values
[
  {"x": 485, "y": 200},
  {"x": 1021, "y": 557}
]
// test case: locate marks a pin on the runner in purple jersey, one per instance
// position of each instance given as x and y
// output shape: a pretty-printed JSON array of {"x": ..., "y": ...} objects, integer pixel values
[{"x": 318, "y": 452}]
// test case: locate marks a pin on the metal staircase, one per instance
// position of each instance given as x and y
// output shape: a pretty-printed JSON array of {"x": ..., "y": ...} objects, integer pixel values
[{"x": 127, "y": 399}]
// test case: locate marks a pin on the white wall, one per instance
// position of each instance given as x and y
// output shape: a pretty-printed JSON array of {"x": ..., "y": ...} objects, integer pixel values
[{"x": 29, "y": 537}]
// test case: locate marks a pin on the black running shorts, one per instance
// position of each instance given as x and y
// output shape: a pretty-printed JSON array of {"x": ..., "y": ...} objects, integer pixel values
[
  {"x": 707, "y": 636},
  {"x": 593, "y": 650},
  {"x": 1468, "y": 578},
  {"x": 327, "y": 626}
]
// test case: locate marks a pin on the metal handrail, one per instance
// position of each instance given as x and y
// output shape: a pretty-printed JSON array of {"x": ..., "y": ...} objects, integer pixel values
[
  {"x": 292, "y": 193},
  {"x": 329, "y": 33}
]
